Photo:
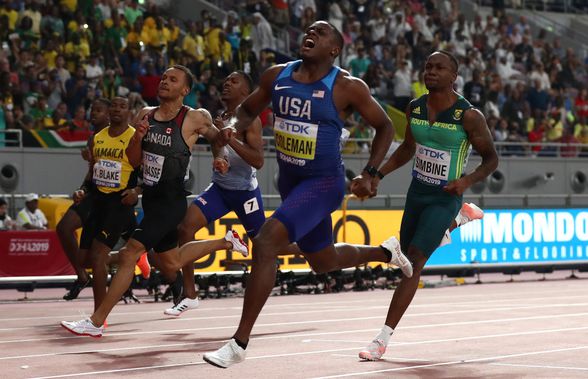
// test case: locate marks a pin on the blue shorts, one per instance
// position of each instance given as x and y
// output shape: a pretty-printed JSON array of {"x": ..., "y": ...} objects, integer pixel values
[
  {"x": 307, "y": 204},
  {"x": 215, "y": 202}
]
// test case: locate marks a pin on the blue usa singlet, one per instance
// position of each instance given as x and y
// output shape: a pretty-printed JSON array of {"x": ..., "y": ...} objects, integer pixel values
[{"x": 307, "y": 126}]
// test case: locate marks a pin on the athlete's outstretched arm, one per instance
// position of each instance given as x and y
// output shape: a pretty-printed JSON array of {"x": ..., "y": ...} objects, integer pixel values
[
  {"x": 479, "y": 136},
  {"x": 134, "y": 151},
  {"x": 401, "y": 155},
  {"x": 405, "y": 151},
  {"x": 363, "y": 102},
  {"x": 251, "y": 150},
  {"x": 256, "y": 102}
]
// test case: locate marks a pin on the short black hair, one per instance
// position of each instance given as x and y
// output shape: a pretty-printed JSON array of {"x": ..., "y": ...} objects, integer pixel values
[
  {"x": 338, "y": 36},
  {"x": 103, "y": 100},
  {"x": 189, "y": 76},
  {"x": 247, "y": 78},
  {"x": 2, "y": 201},
  {"x": 451, "y": 57}
]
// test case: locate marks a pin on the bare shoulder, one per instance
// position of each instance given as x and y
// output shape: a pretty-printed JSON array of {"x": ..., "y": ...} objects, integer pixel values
[
  {"x": 347, "y": 82},
  {"x": 473, "y": 117},
  {"x": 199, "y": 117},
  {"x": 270, "y": 74},
  {"x": 200, "y": 114},
  {"x": 145, "y": 111}
]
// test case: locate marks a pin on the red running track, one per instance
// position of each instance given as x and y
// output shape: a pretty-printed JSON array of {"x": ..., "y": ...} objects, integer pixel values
[{"x": 522, "y": 329}]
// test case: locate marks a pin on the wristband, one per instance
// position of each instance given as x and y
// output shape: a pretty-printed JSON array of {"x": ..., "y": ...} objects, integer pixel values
[
  {"x": 371, "y": 170},
  {"x": 379, "y": 174}
]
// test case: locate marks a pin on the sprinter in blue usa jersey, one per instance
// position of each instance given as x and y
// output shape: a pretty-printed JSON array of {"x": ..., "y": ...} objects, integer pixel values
[{"x": 311, "y": 97}]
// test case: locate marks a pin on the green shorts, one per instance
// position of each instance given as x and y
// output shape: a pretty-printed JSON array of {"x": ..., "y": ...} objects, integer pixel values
[{"x": 428, "y": 212}]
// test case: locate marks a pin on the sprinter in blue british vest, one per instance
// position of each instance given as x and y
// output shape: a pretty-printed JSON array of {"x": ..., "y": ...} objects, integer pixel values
[{"x": 311, "y": 97}]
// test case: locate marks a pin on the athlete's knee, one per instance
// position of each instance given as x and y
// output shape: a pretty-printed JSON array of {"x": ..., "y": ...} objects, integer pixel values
[
  {"x": 418, "y": 259},
  {"x": 264, "y": 248},
  {"x": 130, "y": 253},
  {"x": 68, "y": 224},
  {"x": 97, "y": 258},
  {"x": 323, "y": 267},
  {"x": 185, "y": 232}
]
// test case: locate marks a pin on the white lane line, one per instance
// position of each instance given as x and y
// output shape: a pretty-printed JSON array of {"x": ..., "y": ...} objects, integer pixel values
[
  {"x": 456, "y": 339},
  {"x": 323, "y": 352},
  {"x": 429, "y": 302},
  {"x": 122, "y": 370},
  {"x": 300, "y": 335},
  {"x": 541, "y": 366},
  {"x": 401, "y": 359},
  {"x": 290, "y": 323},
  {"x": 458, "y": 362},
  {"x": 265, "y": 314},
  {"x": 332, "y": 310}
]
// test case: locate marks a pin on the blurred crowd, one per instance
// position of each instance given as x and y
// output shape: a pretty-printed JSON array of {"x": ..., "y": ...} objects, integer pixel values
[
  {"x": 530, "y": 88},
  {"x": 30, "y": 217},
  {"x": 59, "y": 55}
]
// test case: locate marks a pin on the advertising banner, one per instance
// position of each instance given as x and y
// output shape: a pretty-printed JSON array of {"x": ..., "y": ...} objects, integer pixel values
[
  {"x": 32, "y": 253},
  {"x": 506, "y": 236},
  {"x": 510, "y": 236}
]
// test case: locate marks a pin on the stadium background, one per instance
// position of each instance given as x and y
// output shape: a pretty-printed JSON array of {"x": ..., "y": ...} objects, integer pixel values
[{"x": 540, "y": 132}]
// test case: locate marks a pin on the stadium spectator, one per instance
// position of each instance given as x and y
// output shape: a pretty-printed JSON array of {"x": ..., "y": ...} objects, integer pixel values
[
  {"x": 31, "y": 217},
  {"x": 6, "y": 223}
]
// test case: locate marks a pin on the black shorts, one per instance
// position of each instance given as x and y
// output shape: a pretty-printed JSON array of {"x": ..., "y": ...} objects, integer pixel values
[
  {"x": 163, "y": 211},
  {"x": 107, "y": 221},
  {"x": 83, "y": 207}
]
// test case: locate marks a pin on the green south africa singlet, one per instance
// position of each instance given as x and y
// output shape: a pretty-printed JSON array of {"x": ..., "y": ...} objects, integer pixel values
[{"x": 441, "y": 148}]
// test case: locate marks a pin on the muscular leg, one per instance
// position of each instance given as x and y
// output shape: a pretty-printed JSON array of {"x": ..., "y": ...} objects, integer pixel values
[
  {"x": 193, "y": 221},
  {"x": 406, "y": 289},
  {"x": 99, "y": 256},
  {"x": 172, "y": 260},
  {"x": 128, "y": 256},
  {"x": 66, "y": 231},
  {"x": 343, "y": 255},
  {"x": 271, "y": 239}
]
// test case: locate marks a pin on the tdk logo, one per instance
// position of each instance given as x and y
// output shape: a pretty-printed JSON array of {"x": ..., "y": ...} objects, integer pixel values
[
  {"x": 151, "y": 158},
  {"x": 526, "y": 227},
  {"x": 109, "y": 164},
  {"x": 431, "y": 153},
  {"x": 294, "y": 128}
]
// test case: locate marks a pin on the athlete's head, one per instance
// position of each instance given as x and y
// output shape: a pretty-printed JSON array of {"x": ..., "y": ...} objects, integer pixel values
[
  {"x": 236, "y": 87},
  {"x": 321, "y": 40},
  {"x": 175, "y": 82},
  {"x": 440, "y": 71},
  {"x": 99, "y": 113},
  {"x": 119, "y": 111}
]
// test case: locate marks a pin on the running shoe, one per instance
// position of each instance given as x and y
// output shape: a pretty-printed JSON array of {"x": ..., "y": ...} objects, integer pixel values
[
  {"x": 446, "y": 240},
  {"x": 75, "y": 289},
  {"x": 227, "y": 355},
  {"x": 182, "y": 307},
  {"x": 398, "y": 258},
  {"x": 144, "y": 266},
  {"x": 373, "y": 351},
  {"x": 469, "y": 212},
  {"x": 83, "y": 328},
  {"x": 238, "y": 244}
]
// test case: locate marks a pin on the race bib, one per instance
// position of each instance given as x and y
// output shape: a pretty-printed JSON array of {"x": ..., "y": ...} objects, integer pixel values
[
  {"x": 152, "y": 168},
  {"x": 251, "y": 205},
  {"x": 431, "y": 166},
  {"x": 295, "y": 139},
  {"x": 107, "y": 173}
]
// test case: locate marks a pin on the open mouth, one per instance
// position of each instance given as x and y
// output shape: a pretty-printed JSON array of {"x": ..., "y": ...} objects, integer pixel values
[{"x": 308, "y": 43}]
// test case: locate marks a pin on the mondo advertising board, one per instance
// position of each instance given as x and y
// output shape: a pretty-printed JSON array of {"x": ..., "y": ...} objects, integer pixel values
[{"x": 503, "y": 236}]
